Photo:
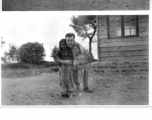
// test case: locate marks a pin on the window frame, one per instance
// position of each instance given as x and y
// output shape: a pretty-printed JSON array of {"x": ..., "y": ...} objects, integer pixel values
[{"x": 123, "y": 28}]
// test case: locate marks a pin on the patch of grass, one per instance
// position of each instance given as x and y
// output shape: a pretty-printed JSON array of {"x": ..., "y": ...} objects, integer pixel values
[
  {"x": 14, "y": 66},
  {"x": 22, "y": 65},
  {"x": 48, "y": 64},
  {"x": 21, "y": 69}
]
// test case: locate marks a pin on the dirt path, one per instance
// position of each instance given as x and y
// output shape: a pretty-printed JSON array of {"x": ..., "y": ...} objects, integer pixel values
[
  {"x": 46, "y": 5},
  {"x": 44, "y": 89}
]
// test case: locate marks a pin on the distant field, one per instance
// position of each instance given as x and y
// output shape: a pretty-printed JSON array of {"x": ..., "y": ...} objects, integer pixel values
[
  {"x": 43, "y": 5},
  {"x": 27, "y": 84},
  {"x": 25, "y": 70}
]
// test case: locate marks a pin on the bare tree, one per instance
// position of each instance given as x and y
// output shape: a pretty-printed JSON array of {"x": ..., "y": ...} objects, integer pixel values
[{"x": 85, "y": 26}]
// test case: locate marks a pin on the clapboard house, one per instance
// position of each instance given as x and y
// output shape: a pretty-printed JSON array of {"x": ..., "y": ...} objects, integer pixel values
[{"x": 123, "y": 43}]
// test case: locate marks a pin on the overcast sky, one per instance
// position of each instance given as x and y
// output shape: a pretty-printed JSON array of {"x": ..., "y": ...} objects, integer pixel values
[{"x": 43, "y": 27}]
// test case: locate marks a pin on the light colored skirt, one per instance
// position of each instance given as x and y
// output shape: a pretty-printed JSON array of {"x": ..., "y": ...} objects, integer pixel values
[{"x": 66, "y": 79}]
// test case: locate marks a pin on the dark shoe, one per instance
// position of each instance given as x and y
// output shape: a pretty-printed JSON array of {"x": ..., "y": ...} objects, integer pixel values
[
  {"x": 65, "y": 95},
  {"x": 87, "y": 90}
]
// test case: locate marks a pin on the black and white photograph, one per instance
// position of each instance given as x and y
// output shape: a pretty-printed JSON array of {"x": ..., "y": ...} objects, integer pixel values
[
  {"x": 74, "y": 5},
  {"x": 74, "y": 59}
]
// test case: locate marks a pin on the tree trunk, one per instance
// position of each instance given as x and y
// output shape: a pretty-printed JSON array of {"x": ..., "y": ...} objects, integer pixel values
[{"x": 90, "y": 48}]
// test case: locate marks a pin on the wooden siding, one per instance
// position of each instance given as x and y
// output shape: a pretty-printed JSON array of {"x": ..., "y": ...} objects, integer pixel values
[
  {"x": 123, "y": 49},
  {"x": 120, "y": 67}
]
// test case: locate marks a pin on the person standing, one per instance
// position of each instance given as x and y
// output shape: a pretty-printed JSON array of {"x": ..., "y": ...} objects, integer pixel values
[
  {"x": 70, "y": 40},
  {"x": 67, "y": 83}
]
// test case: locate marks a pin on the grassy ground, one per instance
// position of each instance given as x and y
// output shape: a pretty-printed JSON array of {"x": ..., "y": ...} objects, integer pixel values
[
  {"x": 43, "y": 88},
  {"x": 43, "y": 5}
]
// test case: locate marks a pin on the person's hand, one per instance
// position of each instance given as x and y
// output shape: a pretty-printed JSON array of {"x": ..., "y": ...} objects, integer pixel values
[
  {"x": 81, "y": 57},
  {"x": 67, "y": 62},
  {"x": 75, "y": 63}
]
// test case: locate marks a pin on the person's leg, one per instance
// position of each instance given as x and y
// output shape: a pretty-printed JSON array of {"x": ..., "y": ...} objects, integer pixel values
[
  {"x": 78, "y": 90},
  {"x": 63, "y": 89},
  {"x": 72, "y": 77},
  {"x": 77, "y": 81},
  {"x": 85, "y": 82},
  {"x": 75, "y": 75},
  {"x": 85, "y": 79}
]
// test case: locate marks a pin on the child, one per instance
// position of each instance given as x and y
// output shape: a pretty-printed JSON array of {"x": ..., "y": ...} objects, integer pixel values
[
  {"x": 66, "y": 73},
  {"x": 79, "y": 59}
]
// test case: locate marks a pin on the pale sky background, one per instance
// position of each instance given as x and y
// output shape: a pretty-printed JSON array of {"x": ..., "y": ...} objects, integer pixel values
[{"x": 43, "y": 27}]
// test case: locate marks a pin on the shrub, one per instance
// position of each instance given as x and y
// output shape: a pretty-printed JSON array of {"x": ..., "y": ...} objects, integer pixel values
[
  {"x": 55, "y": 51},
  {"x": 11, "y": 54},
  {"x": 31, "y": 53}
]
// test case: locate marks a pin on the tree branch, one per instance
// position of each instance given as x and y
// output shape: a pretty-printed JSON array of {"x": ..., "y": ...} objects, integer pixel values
[
  {"x": 86, "y": 32},
  {"x": 94, "y": 32}
]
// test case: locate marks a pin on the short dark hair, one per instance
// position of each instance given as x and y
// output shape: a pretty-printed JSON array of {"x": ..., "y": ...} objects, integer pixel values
[
  {"x": 62, "y": 40},
  {"x": 70, "y": 35}
]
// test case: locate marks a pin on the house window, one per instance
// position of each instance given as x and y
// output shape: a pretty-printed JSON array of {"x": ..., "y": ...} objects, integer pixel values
[
  {"x": 129, "y": 25},
  {"x": 122, "y": 26},
  {"x": 115, "y": 26}
]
